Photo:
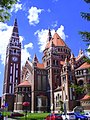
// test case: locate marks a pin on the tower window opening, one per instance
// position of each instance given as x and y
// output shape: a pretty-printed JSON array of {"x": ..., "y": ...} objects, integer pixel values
[
  {"x": 10, "y": 89},
  {"x": 47, "y": 63},
  {"x": 57, "y": 62},
  {"x": 80, "y": 82},
  {"x": 58, "y": 49},
  {"x": 14, "y": 51}
]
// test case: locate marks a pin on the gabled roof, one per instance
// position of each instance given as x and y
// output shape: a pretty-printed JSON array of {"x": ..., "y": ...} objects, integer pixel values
[
  {"x": 25, "y": 83},
  {"x": 80, "y": 55},
  {"x": 84, "y": 65},
  {"x": 57, "y": 41},
  {"x": 39, "y": 65},
  {"x": 59, "y": 88},
  {"x": 86, "y": 97}
]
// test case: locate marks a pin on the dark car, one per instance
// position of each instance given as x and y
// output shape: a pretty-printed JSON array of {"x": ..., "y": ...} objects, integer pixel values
[
  {"x": 80, "y": 116},
  {"x": 16, "y": 114},
  {"x": 54, "y": 116},
  {"x": 1, "y": 116}
]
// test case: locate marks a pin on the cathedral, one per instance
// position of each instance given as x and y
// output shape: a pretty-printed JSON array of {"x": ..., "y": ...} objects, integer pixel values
[{"x": 47, "y": 86}]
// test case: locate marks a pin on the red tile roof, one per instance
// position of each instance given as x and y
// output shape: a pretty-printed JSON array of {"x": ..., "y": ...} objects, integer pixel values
[
  {"x": 84, "y": 65},
  {"x": 57, "y": 41},
  {"x": 39, "y": 65},
  {"x": 24, "y": 83},
  {"x": 86, "y": 97}
]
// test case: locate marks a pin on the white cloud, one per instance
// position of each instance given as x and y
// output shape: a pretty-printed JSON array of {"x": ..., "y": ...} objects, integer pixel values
[
  {"x": 16, "y": 7},
  {"x": 30, "y": 45},
  {"x": 34, "y": 15},
  {"x": 54, "y": 24},
  {"x": 5, "y": 34},
  {"x": 42, "y": 38},
  {"x": 49, "y": 10},
  {"x": 25, "y": 54},
  {"x": 43, "y": 34},
  {"x": 0, "y": 72},
  {"x": 61, "y": 33},
  {"x": 87, "y": 53}
]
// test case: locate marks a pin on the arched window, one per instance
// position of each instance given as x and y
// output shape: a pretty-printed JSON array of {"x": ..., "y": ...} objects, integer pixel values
[{"x": 80, "y": 82}]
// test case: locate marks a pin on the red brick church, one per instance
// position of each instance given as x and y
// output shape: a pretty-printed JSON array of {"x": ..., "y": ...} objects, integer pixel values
[{"x": 45, "y": 84}]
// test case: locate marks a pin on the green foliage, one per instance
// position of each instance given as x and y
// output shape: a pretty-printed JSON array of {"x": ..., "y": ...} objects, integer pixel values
[
  {"x": 85, "y": 16},
  {"x": 81, "y": 89},
  {"x": 5, "y": 6},
  {"x": 78, "y": 89},
  {"x": 85, "y": 35},
  {"x": 61, "y": 106},
  {"x": 87, "y": 1}
]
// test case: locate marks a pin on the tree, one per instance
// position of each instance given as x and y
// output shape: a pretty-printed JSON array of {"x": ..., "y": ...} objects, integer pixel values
[
  {"x": 61, "y": 106},
  {"x": 5, "y": 6},
  {"x": 85, "y": 34}
]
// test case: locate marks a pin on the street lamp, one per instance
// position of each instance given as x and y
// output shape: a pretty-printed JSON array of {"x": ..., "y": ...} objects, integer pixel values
[{"x": 26, "y": 104}]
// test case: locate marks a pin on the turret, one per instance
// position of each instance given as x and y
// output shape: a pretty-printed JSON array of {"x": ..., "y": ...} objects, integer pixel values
[
  {"x": 72, "y": 61},
  {"x": 49, "y": 35},
  {"x": 35, "y": 60}
]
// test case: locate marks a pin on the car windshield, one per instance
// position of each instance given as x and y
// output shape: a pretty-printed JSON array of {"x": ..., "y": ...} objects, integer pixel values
[
  {"x": 86, "y": 113},
  {"x": 55, "y": 114},
  {"x": 70, "y": 113}
]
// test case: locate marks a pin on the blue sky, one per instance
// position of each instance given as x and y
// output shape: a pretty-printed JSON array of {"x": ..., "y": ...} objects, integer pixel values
[{"x": 34, "y": 18}]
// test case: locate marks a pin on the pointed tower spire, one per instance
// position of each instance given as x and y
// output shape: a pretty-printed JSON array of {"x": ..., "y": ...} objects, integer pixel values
[
  {"x": 66, "y": 62},
  {"x": 72, "y": 60},
  {"x": 49, "y": 35},
  {"x": 80, "y": 52},
  {"x": 35, "y": 60},
  {"x": 72, "y": 56},
  {"x": 15, "y": 29}
]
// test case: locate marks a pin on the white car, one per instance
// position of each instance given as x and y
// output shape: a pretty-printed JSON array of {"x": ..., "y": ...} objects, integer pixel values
[
  {"x": 88, "y": 115},
  {"x": 69, "y": 116}
]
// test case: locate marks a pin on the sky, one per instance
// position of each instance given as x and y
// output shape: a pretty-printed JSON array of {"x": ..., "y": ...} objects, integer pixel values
[{"x": 34, "y": 18}]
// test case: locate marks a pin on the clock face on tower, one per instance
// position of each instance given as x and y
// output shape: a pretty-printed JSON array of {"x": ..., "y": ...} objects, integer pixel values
[{"x": 14, "y": 59}]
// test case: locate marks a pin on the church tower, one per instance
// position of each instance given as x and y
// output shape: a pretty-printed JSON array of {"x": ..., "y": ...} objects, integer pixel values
[
  {"x": 12, "y": 68},
  {"x": 55, "y": 53}
]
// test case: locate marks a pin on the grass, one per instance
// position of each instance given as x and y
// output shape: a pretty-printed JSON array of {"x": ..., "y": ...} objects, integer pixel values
[
  {"x": 30, "y": 116},
  {"x": 35, "y": 116}
]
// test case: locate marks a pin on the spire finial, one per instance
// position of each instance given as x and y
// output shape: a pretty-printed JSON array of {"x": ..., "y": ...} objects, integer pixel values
[
  {"x": 35, "y": 59},
  {"x": 49, "y": 35},
  {"x": 15, "y": 29}
]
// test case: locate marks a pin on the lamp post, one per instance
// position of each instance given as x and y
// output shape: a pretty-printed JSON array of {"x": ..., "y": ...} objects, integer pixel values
[{"x": 26, "y": 104}]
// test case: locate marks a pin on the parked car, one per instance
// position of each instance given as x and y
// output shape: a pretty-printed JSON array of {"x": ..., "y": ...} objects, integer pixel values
[
  {"x": 54, "y": 116},
  {"x": 80, "y": 116},
  {"x": 74, "y": 116},
  {"x": 87, "y": 114},
  {"x": 69, "y": 116},
  {"x": 16, "y": 114},
  {"x": 1, "y": 116}
]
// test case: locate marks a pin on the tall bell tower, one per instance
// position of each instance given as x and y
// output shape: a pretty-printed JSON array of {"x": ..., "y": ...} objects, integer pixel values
[{"x": 12, "y": 68}]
